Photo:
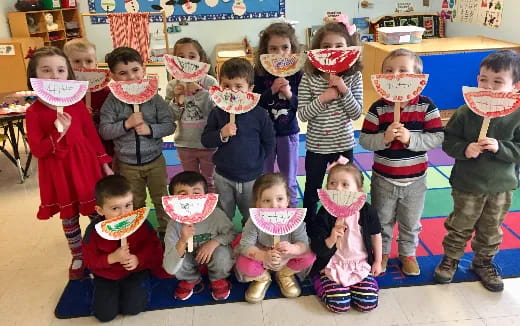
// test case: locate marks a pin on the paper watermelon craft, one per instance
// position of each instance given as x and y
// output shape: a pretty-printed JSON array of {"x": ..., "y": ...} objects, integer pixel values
[
  {"x": 277, "y": 221},
  {"x": 490, "y": 104},
  {"x": 283, "y": 65},
  {"x": 59, "y": 93},
  {"x": 134, "y": 91},
  {"x": 334, "y": 60},
  {"x": 97, "y": 78},
  {"x": 189, "y": 209},
  {"x": 399, "y": 88},
  {"x": 185, "y": 70},
  {"x": 121, "y": 227},
  {"x": 234, "y": 102}
]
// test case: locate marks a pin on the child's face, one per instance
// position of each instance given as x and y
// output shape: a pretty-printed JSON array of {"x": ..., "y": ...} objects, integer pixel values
[
  {"x": 333, "y": 40},
  {"x": 398, "y": 65},
  {"x": 273, "y": 197},
  {"x": 83, "y": 59},
  {"x": 235, "y": 84},
  {"x": 183, "y": 189},
  {"x": 342, "y": 180},
  {"x": 115, "y": 206},
  {"x": 498, "y": 81},
  {"x": 279, "y": 45},
  {"x": 187, "y": 51},
  {"x": 52, "y": 67},
  {"x": 132, "y": 70}
]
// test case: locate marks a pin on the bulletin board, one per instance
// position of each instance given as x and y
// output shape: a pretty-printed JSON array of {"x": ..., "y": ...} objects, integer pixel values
[{"x": 194, "y": 10}]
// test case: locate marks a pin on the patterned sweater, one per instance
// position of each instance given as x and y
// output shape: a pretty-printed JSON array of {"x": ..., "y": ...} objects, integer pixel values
[
  {"x": 329, "y": 128},
  {"x": 397, "y": 162}
]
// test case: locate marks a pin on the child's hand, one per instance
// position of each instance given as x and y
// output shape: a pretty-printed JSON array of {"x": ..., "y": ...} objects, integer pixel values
[
  {"x": 285, "y": 248},
  {"x": 403, "y": 135},
  {"x": 119, "y": 255},
  {"x": 488, "y": 144},
  {"x": 106, "y": 169},
  {"x": 391, "y": 132},
  {"x": 65, "y": 119},
  {"x": 337, "y": 232},
  {"x": 130, "y": 263},
  {"x": 376, "y": 268},
  {"x": 143, "y": 129},
  {"x": 328, "y": 95},
  {"x": 286, "y": 91},
  {"x": 272, "y": 259},
  {"x": 187, "y": 231},
  {"x": 277, "y": 84},
  {"x": 192, "y": 88},
  {"x": 134, "y": 120},
  {"x": 338, "y": 83},
  {"x": 230, "y": 129},
  {"x": 205, "y": 252},
  {"x": 473, "y": 150},
  {"x": 179, "y": 89}
]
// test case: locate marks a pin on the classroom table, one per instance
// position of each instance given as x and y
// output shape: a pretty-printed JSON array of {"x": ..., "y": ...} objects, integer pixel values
[{"x": 8, "y": 123}]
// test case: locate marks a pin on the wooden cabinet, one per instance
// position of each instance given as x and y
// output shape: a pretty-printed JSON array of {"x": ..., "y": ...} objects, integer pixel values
[
  {"x": 226, "y": 51},
  {"x": 68, "y": 22},
  {"x": 451, "y": 63},
  {"x": 14, "y": 64}
]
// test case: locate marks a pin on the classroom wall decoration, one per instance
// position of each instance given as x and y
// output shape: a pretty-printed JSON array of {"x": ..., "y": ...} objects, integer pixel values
[
  {"x": 190, "y": 10},
  {"x": 479, "y": 12}
]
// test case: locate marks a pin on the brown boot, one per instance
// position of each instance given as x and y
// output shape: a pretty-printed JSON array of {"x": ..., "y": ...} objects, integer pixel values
[
  {"x": 487, "y": 272},
  {"x": 256, "y": 291},
  {"x": 445, "y": 270},
  {"x": 287, "y": 283}
]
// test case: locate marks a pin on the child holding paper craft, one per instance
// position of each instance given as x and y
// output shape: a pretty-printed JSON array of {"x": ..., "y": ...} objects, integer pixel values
[
  {"x": 258, "y": 253},
  {"x": 398, "y": 185},
  {"x": 483, "y": 177},
  {"x": 121, "y": 272},
  {"x": 82, "y": 54},
  {"x": 212, "y": 238},
  {"x": 138, "y": 136},
  {"x": 348, "y": 254},
  {"x": 191, "y": 116},
  {"x": 329, "y": 103},
  {"x": 242, "y": 146},
  {"x": 280, "y": 99},
  {"x": 69, "y": 162}
]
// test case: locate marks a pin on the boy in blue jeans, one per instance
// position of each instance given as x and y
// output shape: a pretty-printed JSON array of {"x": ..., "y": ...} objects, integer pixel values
[
  {"x": 242, "y": 147},
  {"x": 483, "y": 177}
]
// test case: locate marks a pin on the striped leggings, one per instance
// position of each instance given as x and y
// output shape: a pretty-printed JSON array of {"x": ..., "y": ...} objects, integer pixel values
[{"x": 363, "y": 296}]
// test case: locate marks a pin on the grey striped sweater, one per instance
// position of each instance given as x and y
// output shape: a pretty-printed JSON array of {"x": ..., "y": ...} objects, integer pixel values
[{"x": 329, "y": 128}]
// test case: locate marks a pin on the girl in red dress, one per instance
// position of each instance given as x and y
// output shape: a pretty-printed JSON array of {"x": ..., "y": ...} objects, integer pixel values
[{"x": 69, "y": 162}]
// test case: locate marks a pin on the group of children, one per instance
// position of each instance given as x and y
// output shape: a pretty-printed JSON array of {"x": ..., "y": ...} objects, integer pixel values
[{"x": 236, "y": 160}]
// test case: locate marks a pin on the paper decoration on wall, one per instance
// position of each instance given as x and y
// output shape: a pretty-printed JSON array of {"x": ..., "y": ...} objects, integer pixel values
[
  {"x": 490, "y": 104},
  {"x": 399, "y": 88},
  {"x": 480, "y": 12},
  {"x": 334, "y": 60},
  {"x": 59, "y": 93},
  {"x": 283, "y": 65},
  {"x": 189, "y": 209},
  {"x": 234, "y": 102},
  {"x": 277, "y": 221},
  {"x": 134, "y": 91},
  {"x": 123, "y": 226},
  {"x": 97, "y": 80},
  {"x": 191, "y": 10},
  {"x": 185, "y": 70},
  {"x": 132, "y": 5}
]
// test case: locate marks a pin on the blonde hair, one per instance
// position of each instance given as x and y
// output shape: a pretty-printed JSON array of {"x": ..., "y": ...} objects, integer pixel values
[
  {"x": 417, "y": 62},
  {"x": 267, "y": 181},
  {"x": 350, "y": 169},
  {"x": 78, "y": 44}
]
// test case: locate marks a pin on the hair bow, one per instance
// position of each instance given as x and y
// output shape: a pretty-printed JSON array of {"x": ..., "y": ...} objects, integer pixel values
[
  {"x": 30, "y": 53},
  {"x": 342, "y": 160},
  {"x": 351, "y": 29}
]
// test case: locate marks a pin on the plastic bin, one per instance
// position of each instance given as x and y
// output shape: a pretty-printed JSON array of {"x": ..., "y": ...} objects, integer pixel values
[{"x": 400, "y": 34}]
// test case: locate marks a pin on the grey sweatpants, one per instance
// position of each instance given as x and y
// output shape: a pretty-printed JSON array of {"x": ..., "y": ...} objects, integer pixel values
[
  {"x": 403, "y": 205},
  {"x": 219, "y": 266},
  {"x": 232, "y": 194}
]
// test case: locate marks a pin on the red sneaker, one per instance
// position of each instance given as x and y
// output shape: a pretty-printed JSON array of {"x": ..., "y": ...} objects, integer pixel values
[
  {"x": 220, "y": 289},
  {"x": 184, "y": 290}
]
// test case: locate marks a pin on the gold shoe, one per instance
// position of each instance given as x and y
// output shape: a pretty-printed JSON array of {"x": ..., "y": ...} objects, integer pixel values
[
  {"x": 256, "y": 291},
  {"x": 287, "y": 283}
]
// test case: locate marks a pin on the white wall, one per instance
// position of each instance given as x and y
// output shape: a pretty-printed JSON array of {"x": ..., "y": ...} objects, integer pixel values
[
  {"x": 5, "y": 7},
  {"x": 306, "y": 12},
  {"x": 508, "y": 30}
]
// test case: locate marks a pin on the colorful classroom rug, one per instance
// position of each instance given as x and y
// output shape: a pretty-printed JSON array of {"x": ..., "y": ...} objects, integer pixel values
[{"x": 77, "y": 296}]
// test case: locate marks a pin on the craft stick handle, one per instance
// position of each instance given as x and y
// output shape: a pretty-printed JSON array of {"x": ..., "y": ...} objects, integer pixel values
[
  {"x": 339, "y": 240},
  {"x": 232, "y": 118},
  {"x": 182, "y": 96},
  {"x": 136, "y": 108},
  {"x": 276, "y": 240},
  {"x": 397, "y": 112},
  {"x": 124, "y": 242},
  {"x": 88, "y": 100},
  {"x": 59, "y": 125},
  {"x": 190, "y": 244},
  {"x": 484, "y": 129}
]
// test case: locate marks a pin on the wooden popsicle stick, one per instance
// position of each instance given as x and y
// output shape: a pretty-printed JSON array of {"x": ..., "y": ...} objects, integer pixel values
[
  {"x": 136, "y": 108},
  {"x": 182, "y": 97},
  {"x": 124, "y": 242},
  {"x": 276, "y": 240},
  {"x": 484, "y": 128},
  {"x": 232, "y": 118},
  {"x": 88, "y": 100},
  {"x": 59, "y": 125},
  {"x": 397, "y": 112},
  {"x": 190, "y": 244},
  {"x": 338, "y": 242}
]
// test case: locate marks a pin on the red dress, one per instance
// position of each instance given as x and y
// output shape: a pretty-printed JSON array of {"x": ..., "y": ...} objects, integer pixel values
[{"x": 68, "y": 169}]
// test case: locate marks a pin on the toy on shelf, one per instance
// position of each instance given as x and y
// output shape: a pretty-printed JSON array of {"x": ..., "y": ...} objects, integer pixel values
[{"x": 49, "y": 20}]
